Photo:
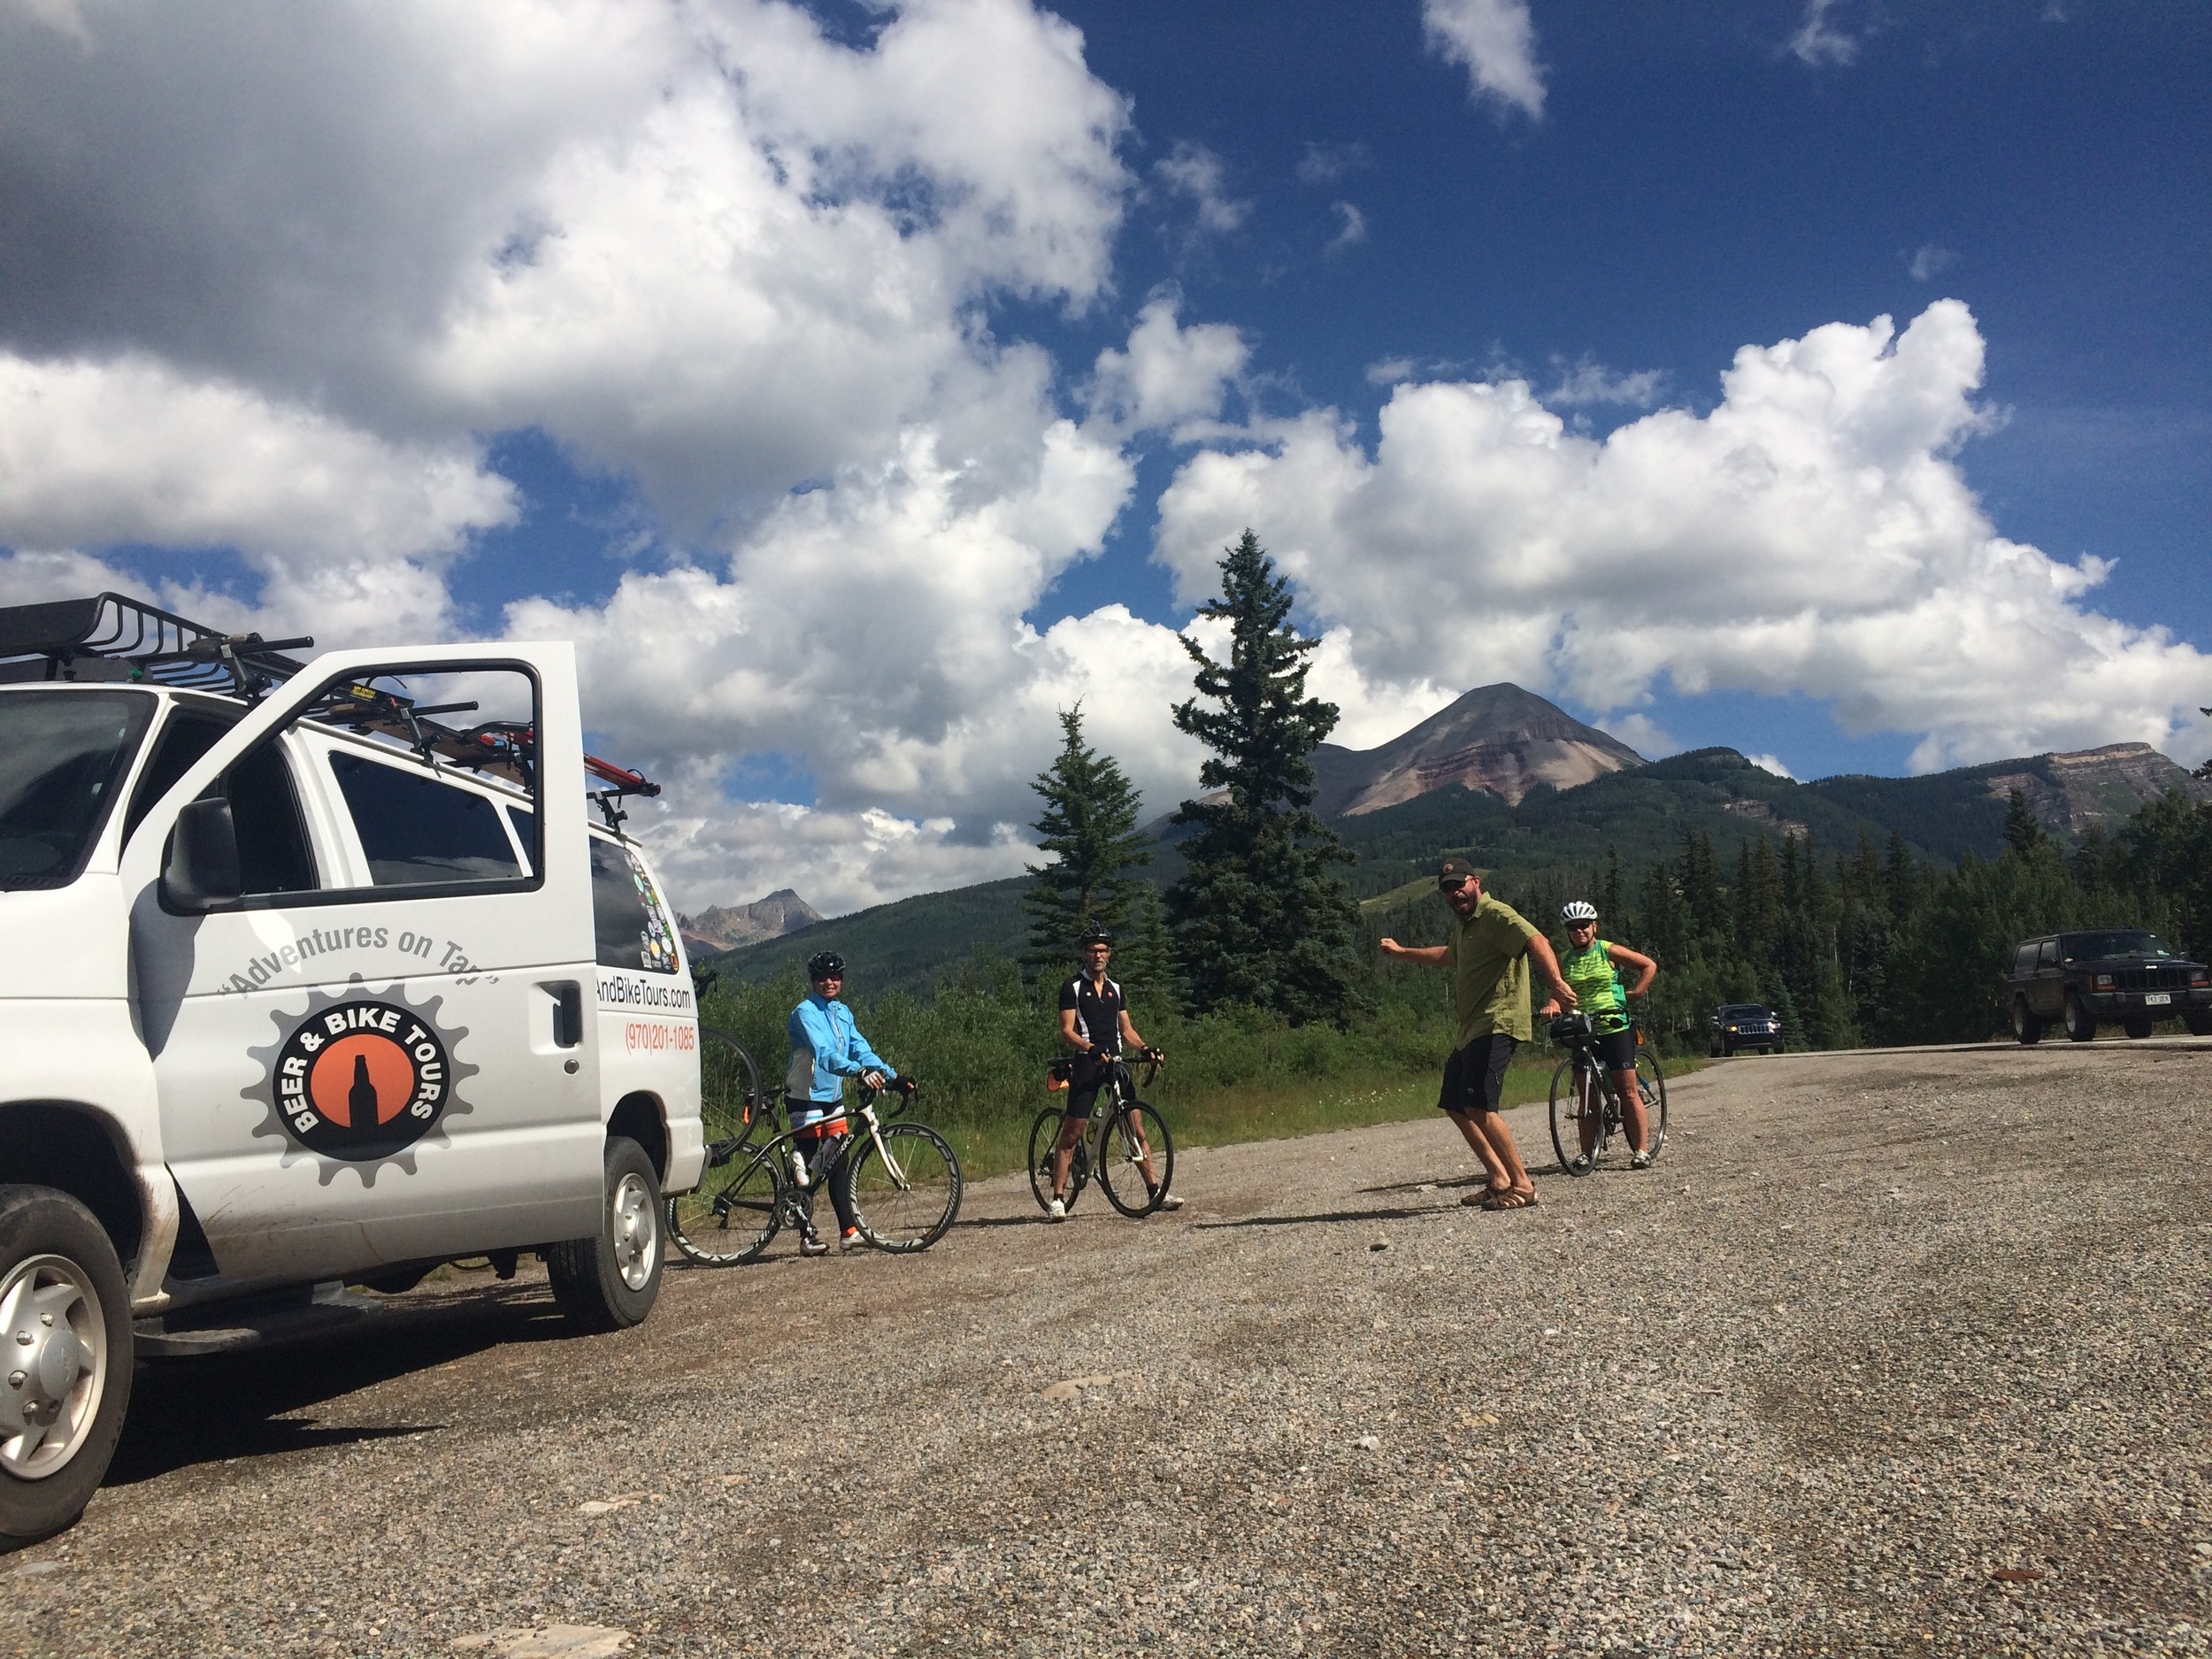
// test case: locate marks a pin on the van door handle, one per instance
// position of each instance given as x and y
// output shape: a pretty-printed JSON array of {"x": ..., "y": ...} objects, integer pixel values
[{"x": 568, "y": 1013}]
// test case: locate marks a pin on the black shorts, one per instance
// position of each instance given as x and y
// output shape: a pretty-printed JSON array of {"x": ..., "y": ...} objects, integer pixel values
[
  {"x": 1083, "y": 1086},
  {"x": 1615, "y": 1050},
  {"x": 1474, "y": 1077}
]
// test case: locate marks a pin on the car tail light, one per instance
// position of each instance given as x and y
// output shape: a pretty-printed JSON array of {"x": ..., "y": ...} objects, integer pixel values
[
  {"x": 2104, "y": 981},
  {"x": 2198, "y": 976}
]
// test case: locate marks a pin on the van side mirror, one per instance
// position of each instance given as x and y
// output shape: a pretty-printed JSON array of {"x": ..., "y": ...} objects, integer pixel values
[{"x": 201, "y": 870}]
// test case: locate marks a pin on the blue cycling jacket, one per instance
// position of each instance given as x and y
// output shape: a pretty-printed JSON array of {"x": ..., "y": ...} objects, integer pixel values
[{"x": 827, "y": 1048}]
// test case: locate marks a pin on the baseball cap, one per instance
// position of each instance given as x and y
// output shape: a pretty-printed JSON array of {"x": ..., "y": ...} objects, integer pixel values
[{"x": 1453, "y": 872}]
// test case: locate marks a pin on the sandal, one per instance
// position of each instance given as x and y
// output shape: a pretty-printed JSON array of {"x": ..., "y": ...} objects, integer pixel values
[
  {"x": 1486, "y": 1199},
  {"x": 1511, "y": 1199}
]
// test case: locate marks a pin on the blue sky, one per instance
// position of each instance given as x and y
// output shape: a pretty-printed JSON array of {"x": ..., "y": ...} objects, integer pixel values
[{"x": 831, "y": 376}]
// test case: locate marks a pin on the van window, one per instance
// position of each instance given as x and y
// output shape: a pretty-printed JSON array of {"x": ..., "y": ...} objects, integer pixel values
[
  {"x": 415, "y": 829},
  {"x": 2047, "y": 956},
  {"x": 2024, "y": 961},
  {"x": 66, "y": 752},
  {"x": 629, "y": 918},
  {"x": 189, "y": 734},
  {"x": 273, "y": 856}
]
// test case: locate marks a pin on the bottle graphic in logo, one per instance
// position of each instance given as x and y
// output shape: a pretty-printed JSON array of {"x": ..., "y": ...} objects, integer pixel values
[{"x": 361, "y": 1098}]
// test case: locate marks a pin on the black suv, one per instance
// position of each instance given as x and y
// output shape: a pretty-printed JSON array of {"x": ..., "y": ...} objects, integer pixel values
[
  {"x": 2105, "y": 975},
  {"x": 1746, "y": 1025}
]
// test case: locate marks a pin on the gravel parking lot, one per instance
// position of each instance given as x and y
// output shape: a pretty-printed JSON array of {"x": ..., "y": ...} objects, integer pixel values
[{"x": 1903, "y": 1352}]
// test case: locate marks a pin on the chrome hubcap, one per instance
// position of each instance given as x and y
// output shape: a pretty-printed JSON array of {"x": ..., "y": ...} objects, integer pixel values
[
  {"x": 637, "y": 1234},
  {"x": 55, "y": 1356}
]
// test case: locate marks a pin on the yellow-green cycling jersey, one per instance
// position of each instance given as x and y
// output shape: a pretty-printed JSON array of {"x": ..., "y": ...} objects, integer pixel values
[{"x": 1596, "y": 983}]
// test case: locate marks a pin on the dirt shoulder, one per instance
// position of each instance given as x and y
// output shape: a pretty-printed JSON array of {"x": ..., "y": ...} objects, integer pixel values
[{"x": 1877, "y": 1329}]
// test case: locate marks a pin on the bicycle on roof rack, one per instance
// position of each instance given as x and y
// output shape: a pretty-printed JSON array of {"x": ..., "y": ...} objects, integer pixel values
[
  {"x": 113, "y": 638},
  {"x": 906, "y": 1181}
]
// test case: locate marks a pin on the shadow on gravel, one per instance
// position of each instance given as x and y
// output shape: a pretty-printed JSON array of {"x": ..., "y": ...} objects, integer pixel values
[
  {"x": 1394, "y": 1214},
  {"x": 189, "y": 1411},
  {"x": 1422, "y": 1186}
]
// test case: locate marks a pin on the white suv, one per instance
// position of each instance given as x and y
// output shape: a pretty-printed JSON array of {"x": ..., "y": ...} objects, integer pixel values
[{"x": 305, "y": 983}]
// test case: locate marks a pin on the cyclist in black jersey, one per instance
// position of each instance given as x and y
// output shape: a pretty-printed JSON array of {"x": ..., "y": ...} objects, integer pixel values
[{"x": 1094, "y": 1021}]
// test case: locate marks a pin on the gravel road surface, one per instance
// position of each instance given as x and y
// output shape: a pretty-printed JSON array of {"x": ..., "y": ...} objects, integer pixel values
[{"x": 1896, "y": 1354}]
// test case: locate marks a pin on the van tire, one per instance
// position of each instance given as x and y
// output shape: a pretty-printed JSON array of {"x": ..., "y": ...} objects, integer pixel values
[
  {"x": 610, "y": 1281},
  {"x": 52, "y": 1249}
]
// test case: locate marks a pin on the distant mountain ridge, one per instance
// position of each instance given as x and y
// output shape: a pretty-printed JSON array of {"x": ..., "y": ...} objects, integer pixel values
[
  {"x": 1498, "y": 739},
  {"x": 1948, "y": 814},
  {"x": 726, "y": 926},
  {"x": 1524, "y": 788}
]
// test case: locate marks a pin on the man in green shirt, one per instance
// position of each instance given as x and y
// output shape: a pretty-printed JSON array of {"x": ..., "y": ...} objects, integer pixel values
[{"x": 1488, "y": 954}]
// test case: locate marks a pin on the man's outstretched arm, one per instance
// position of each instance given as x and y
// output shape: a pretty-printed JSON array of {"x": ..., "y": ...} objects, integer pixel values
[{"x": 1420, "y": 956}]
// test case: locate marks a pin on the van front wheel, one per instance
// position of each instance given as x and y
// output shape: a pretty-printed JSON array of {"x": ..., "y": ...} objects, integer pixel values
[
  {"x": 65, "y": 1333},
  {"x": 609, "y": 1282}
]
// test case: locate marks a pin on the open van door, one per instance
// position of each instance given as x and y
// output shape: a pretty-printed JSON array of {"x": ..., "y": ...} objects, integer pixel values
[{"x": 361, "y": 964}]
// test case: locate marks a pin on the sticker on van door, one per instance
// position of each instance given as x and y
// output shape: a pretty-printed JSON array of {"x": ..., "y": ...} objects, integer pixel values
[{"x": 363, "y": 1076}]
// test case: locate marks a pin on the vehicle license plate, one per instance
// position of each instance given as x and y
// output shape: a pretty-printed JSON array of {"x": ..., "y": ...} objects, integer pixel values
[{"x": 2158, "y": 999}]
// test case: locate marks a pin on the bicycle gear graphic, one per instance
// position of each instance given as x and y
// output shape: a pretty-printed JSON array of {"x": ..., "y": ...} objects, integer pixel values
[{"x": 359, "y": 1077}]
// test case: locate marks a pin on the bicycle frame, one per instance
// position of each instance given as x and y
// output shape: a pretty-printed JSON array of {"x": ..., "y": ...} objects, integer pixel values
[{"x": 781, "y": 1143}]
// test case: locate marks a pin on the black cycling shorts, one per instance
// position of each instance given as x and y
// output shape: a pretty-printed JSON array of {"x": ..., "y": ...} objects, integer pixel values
[
  {"x": 1084, "y": 1083},
  {"x": 1474, "y": 1077},
  {"x": 1616, "y": 1050}
]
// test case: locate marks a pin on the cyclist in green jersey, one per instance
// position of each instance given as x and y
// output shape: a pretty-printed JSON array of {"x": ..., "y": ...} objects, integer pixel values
[{"x": 1591, "y": 967}]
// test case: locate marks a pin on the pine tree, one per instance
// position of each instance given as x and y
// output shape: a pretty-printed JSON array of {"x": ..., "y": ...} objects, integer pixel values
[
  {"x": 2024, "y": 832},
  {"x": 1089, "y": 824},
  {"x": 1261, "y": 917}
]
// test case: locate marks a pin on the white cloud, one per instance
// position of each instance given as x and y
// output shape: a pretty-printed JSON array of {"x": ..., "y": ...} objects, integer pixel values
[
  {"x": 1496, "y": 41},
  {"x": 1324, "y": 165},
  {"x": 1812, "y": 534},
  {"x": 1818, "y": 41},
  {"x": 1169, "y": 375},
  {"x": 1768, "y": 763},
  {"x": 1642, "y": 734},
  {"x": 1194, "y": 171},
  {"x": 702, "y": 245},
  {"x": 349, "y": 531},
  {"x": 1353, "y": 230},
  {"x": 1930, "y": 260},
  {"x": 1589, "y": 381}
]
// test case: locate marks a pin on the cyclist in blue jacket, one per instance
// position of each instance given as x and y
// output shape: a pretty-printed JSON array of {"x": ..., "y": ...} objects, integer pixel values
[{"x": 827, "y": 1048}]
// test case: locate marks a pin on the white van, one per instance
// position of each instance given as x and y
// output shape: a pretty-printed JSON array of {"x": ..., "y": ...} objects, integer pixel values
[{"x": 310, "y": 977}]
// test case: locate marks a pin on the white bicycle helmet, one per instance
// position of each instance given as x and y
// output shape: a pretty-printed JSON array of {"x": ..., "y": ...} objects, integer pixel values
[{"x": 1577, "y": 910}]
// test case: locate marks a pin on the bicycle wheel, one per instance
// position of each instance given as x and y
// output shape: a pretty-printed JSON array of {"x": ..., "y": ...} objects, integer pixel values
[
  {"x": 730, "y": 1095},
  {"x": 1651, "y": 1083},
  {"x": 731, "y": 1214},
  {"x": 1132, "y": 1132},
  {"x": 1576, "y": 1101},
  {"x": 1044, "y": 1135},
  {"x": 906, "y": 1190}
]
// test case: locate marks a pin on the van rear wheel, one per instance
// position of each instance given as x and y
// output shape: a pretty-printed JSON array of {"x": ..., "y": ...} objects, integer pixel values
[
  {"x": 609, "y": 1282},
  {"x": 2025, "y": 1026},
  {"x": 65, "y": 1333}
]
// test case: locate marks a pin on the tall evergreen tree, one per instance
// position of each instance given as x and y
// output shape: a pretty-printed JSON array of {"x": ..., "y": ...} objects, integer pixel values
[
  {"x": 1261, "y": 917},
  {"x": 1089, "y": 824}
]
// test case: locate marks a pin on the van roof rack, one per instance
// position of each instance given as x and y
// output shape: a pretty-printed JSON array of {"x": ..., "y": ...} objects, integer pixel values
[{"x": 113, "y": 637}]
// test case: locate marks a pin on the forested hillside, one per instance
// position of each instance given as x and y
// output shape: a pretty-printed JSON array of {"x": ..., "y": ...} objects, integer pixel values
[{"x": 1868, "y": 910}]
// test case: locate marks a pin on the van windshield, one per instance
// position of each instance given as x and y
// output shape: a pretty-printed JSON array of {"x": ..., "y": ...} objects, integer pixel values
[{"x": 63, "y": 757}]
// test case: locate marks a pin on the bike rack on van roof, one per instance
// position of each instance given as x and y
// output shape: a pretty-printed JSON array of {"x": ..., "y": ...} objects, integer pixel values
[{"x": 113, "y": 638}]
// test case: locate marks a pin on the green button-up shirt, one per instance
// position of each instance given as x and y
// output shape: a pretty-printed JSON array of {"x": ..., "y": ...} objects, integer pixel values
[{"x": 1488, "y": 955}]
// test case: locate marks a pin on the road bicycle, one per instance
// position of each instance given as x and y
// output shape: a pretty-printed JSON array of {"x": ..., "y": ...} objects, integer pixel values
[
  {"x": 1122, "y": 1133},
  {"x": 1585, "y": 1107},
  {"x": 906, "y": 1182}
]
